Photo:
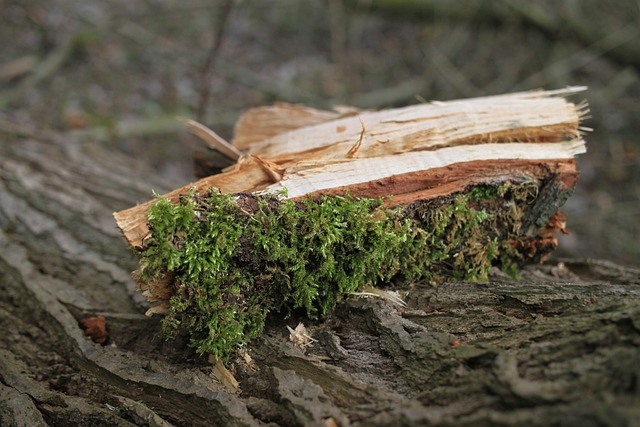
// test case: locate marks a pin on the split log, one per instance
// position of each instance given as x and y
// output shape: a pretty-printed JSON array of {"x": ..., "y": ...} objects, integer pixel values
[
  {"x": 558, "y": 346},
  {"x": 480, "y": 182},
  {"x": 408, "y": 154}
]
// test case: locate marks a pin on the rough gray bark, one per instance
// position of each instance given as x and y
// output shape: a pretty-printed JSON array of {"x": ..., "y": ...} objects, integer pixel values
[{"x": 560, "y": 346}]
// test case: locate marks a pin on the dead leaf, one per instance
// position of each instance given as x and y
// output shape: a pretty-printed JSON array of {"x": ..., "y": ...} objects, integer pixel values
[{"x": 95, "y": 328}]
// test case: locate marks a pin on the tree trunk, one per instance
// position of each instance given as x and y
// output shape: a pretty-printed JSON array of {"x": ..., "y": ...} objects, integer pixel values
[{"x": 558, "y": 346}]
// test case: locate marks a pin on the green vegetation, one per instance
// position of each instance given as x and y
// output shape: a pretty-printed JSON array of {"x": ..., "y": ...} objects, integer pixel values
[{"x": 233, "y": 259}]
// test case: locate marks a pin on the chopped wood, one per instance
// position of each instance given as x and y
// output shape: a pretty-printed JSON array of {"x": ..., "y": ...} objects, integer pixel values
[{"x": 411, "y": 153}]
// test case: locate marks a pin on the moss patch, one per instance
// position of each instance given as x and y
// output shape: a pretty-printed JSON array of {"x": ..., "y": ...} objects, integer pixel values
[{"x": 232, "y": 259}]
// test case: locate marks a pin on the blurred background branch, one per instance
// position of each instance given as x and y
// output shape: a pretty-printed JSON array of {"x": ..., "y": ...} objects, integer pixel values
[{"x": 208, "y": 69}]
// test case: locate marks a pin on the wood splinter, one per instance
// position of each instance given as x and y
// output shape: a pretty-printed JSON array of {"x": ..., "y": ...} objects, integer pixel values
[{"x": 353, "y": 150}]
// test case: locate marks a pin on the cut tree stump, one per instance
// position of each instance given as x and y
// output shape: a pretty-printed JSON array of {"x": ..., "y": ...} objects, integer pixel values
[{"x": 559, "y": 346}]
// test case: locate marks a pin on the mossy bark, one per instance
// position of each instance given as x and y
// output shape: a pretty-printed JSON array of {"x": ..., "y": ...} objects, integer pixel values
[{"x": 219, "y": 264}]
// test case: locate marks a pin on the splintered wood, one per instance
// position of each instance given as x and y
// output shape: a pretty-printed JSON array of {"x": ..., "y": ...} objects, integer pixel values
[{"x": 418, "y": 152}]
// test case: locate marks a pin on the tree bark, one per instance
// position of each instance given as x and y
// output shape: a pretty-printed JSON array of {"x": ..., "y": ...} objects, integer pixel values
[{"x": 558, "y": 346}]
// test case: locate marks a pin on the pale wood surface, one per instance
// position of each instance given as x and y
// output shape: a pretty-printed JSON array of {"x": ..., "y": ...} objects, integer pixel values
[
  {"x": 529, "y": 116},
  {"x": 335, "y": 150},
  {"x": 306, "y": 178}
]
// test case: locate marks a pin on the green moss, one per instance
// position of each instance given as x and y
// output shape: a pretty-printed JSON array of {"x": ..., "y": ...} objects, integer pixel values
[{"x": 234, "y": 259}]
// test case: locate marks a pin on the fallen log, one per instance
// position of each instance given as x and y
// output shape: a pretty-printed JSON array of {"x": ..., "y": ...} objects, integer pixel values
[
  {"x": 356, "y": 199},
  {"x": 557, "y": 346}
]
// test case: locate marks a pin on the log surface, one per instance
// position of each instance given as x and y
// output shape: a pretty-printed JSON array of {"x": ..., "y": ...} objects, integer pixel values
[{"x": 560, "y": 346}]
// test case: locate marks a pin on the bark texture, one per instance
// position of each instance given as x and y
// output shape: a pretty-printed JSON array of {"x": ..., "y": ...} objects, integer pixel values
[{"x": 560, "y": 346}]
